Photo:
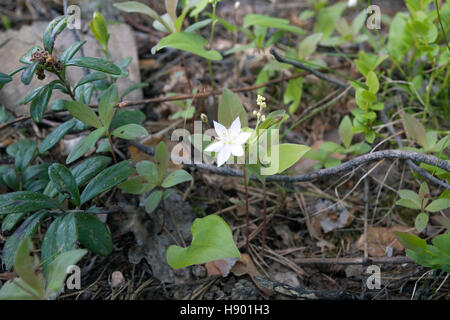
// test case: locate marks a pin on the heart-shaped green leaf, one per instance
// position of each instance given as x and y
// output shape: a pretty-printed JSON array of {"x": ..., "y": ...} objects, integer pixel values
[{"x": 211, "y": 240}]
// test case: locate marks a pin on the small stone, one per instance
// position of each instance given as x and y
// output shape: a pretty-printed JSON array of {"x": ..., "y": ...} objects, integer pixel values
[{"x": 117, "y": 279}]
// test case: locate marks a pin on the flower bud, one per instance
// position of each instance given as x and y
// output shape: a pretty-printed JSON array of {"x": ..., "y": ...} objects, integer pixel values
[{"x": 204, "y": 118}]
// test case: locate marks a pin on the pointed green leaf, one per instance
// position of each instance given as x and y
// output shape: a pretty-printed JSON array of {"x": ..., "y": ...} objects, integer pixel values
[
  {"x": 130, "y": 131},
  {"x": 411, "y": 242},
  {"x": 99, "y": 28},
  {"x": 40, "y": 103},
  {"x": 421, "y": 221},
  {"x": 438, "y": 205},
  {"x": 415, "y": 130},
  {"x": 162, "y": 160},
  {"x": 153, "y": 200},
  {"x": 71, "y": 51},
  {"x": 108, "y": 100},
  {"x": 83, "y": 113},
  {"x": 176, "y": 177},
  {"x": 148, "y": 170},
  {"x": 230, "y": 107},
  {"x": 345, "y": 131},
  {"x": 190, "y": 42}
]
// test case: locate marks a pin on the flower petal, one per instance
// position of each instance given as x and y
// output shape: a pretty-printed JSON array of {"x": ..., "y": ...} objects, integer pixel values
[
  {"x": 215, "y": 146},
  {"x": 223, "y": 155},
  {"x": 235, "y": 128},
  {"x": 237, "y": 150},
  {"x": 220, "y": 130},
  {"x": 242, "y": 138}
]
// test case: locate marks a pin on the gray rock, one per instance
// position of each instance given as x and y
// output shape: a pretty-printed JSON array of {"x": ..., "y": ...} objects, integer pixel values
[{"x": 15, "y": 43}]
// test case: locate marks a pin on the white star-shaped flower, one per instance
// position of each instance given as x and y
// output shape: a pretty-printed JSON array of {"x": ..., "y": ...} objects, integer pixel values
[{"x": 228, "y": 141}]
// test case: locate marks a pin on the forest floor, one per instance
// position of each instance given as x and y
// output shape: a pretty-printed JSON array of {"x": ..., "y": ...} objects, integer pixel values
[{"x": 315, "y": 235}]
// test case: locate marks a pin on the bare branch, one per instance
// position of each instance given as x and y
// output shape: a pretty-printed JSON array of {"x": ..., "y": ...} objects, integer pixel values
[{"x": 347, "y": 166}]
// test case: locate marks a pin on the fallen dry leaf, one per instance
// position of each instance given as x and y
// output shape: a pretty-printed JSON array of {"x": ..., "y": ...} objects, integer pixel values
[
  {"x": 246, "y": 266},
  {"x": 220, "y": 267},
  {"x": 380, "y": 238}
]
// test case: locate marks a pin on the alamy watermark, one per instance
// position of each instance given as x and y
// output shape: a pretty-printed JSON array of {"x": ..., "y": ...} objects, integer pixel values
[
  {"x": 373, "y": 282},
  {"x": 374, "y": 17}
]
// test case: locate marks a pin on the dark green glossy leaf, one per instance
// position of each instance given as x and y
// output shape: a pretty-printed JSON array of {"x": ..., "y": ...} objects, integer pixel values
[
  {"x": 108, "y": 100},
  {"x": 123, "y": 117},
  {"x": 23, "y": 152},
  {"x": 40, "y": 103},
  {"x": 47, "y": 39},
  {"x": 26, "y": 229},
  {"x": 11, "y": 220},
  {"x": 26, "y": 58},
  {"x": 85, "y": 145},
  {"x": 56, "y": 135},
  {"x": 95, "y": 64},
  {"x": 130, "y": 131},
  {"x": 4, "y": 79},
  {"x": 83, "y": 113},
  {"x": 91, "y": 77},
  {"x": 106, "y": 180},
  {"x": 25, "y": 201},
  {"x": 93, "y": 234},
  {"x": 28, "y": 73},
  {"x": 71, "y": 51},
  {"x": 64, "y": 181},
  {"x": 89, "y": 168}
]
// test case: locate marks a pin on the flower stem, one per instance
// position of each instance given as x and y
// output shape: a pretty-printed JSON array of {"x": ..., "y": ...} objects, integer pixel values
[
  {"x": 265, "y": 219},
  {"x": 211, "y": 39},
  {"x": 112, "y": 148},
  {"x": 247, "y": 222},
  {"x": 163, "y": 206},
  {"x": 186, "y": 72}
]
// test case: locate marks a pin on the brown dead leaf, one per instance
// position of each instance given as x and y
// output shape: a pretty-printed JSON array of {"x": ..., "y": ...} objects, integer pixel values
[
  {"x": 379, "y": 238},
  {"x": 220, "y": 267},
  {"x": 246, "y": 266}
]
